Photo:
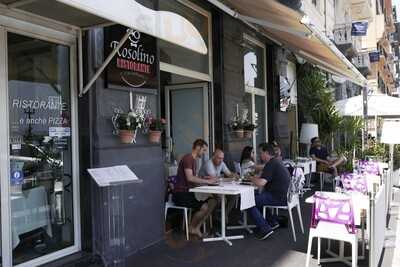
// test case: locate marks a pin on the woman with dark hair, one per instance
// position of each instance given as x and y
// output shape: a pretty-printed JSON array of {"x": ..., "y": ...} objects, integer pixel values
[
  {"x": 277, "y": 150},
  {"x": 247, "y": 161}
]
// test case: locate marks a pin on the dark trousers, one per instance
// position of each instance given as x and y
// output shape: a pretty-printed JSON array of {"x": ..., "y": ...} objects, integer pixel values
[{"x": 263, "y": 199}]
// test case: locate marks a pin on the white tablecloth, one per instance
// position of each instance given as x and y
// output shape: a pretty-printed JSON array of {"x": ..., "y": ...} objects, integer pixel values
[
  {"x": 30, "y": 210},
  {"x": 246, "y": 192},
  {"x": 309, "y": 166}
]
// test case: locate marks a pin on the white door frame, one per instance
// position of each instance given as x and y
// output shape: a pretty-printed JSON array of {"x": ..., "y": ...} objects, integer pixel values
[
  {"x": 33, "y": 30},
  {"x": 168, "y": 89}
]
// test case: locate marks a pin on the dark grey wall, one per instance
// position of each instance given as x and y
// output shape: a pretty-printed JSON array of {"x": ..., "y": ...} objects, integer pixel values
[
  {"x": 99, "y": 147},
  {"x": 233, "y": 80}
]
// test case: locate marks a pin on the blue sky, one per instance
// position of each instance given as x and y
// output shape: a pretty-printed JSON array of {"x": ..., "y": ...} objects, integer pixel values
[{"x": 397, "y": 4}]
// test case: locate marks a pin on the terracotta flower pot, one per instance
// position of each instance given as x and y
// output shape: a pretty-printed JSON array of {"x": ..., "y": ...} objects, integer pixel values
[
  {"x": 154, "y": 136},
  {"x": 127, "y": 136},
  {"x": 248, "y": 134},
  {"x": 239, "y": 133}
]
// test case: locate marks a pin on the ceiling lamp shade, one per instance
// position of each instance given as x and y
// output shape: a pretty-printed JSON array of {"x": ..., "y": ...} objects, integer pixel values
[
  {"x": 308, "y": 131},
  {"x": 390, "y": 132}
]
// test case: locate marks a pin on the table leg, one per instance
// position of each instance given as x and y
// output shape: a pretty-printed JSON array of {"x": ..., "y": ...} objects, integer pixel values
[
  {"x": 222, "y": 236},
  {"x": 243, "y": 225}
]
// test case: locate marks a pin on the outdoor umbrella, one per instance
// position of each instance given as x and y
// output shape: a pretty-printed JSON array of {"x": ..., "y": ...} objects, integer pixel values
[{"x": 378, "y": 105}]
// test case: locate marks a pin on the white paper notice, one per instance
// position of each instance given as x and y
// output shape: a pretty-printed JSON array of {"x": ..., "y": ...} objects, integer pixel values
[{"x": 110, "y": 175}]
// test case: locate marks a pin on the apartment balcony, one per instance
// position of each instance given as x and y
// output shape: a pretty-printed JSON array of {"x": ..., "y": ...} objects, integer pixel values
[
  {"x": 362, "y": 63},
  {"x": 342, "y": 37},
  {"x": 362, "y": 10}
]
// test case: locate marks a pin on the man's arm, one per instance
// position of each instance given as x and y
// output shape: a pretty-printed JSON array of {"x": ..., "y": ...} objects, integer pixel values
[
  {"x": 319, "y": 160},
  {"x": 259, "y": 182},
  {"x": 197, "y": 180}
]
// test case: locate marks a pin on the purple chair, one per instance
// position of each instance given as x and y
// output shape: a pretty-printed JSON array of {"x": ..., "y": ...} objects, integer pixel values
[
  {"x": 369, "y": 167},
  {"x": 354, "y": 182},
  {"x": 332, "y": 218}
]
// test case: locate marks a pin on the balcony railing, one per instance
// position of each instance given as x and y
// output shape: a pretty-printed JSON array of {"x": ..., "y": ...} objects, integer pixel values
[
  {"x": 362, "y": 61},
  {"x": 342, "y": 34}
]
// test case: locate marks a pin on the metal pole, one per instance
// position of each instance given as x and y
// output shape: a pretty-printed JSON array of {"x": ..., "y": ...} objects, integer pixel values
[
  {"x": 365, "y": 117},
  {"x": 106, "y": 62}
]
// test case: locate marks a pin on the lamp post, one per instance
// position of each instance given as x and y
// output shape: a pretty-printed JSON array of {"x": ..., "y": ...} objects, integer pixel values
[{"x": 308, "y": 131}]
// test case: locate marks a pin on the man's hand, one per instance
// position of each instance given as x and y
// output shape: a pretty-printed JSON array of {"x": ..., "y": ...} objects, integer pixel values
[{"x": 211, "y": 180}]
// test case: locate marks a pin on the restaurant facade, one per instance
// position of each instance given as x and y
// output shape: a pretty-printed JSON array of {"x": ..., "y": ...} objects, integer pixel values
[{"x": 54, "y": 128}]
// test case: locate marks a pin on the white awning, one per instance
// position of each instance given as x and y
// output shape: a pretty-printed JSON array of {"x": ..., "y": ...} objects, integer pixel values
[
  {"x": 378, "y": 105},
  {"x": 168, "y": 26},
  {"x": 294, "y": 31}
]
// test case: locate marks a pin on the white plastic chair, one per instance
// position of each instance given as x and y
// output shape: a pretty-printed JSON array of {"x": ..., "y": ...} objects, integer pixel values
[
  {"x": 332, "y": 219},
  {"x": 292, "y": 202},
  {"x": 186, "y": 213}
]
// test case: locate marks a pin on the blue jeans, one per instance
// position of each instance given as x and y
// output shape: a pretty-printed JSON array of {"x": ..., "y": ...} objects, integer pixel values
[{"x": 262, "y": 199}]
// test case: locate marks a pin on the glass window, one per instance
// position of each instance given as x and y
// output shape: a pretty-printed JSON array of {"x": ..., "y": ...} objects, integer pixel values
[
  {"x": 254, "y": 73},
  {"x": 40, "y": 147},
  {"x": 176, "y": 55},
  {"x": 260, "y": 119}
]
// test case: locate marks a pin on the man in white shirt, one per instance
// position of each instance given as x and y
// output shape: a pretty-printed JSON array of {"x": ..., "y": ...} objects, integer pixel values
[{"x": 215, "y": 167}]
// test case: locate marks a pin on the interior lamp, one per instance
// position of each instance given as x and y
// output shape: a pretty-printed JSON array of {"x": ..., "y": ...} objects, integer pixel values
[{"x": 308, "y": 131}]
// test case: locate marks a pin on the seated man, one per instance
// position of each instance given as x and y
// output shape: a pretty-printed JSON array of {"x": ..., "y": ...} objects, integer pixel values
[
  {"x": 274, "y": 181},
  {"x": 186, "y": 179},
  {"x": 320, "y": 154},
  {"x": 215, "y": 166}
]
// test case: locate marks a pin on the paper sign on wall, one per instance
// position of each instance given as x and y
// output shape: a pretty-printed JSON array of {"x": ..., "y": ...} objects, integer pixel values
[{"x": 59, "y": 131}]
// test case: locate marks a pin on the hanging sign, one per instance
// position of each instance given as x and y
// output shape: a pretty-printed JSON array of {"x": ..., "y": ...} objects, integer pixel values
[
  {"x": 359, "y": 28},
  {"x": 374, "y": 56},
  {"x": 135, "y": 64}
]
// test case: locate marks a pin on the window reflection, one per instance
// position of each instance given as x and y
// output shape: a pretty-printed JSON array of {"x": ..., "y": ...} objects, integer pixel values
[
  {"x": 254, "y": 66},
  {"x": 40, "y": 147}
]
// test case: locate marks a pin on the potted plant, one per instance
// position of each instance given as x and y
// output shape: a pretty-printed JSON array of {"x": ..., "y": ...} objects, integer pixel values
[
  {"x": 156, "y": 127},
  {"x": 126, "y": 125},
  {"x": 236, "y": 126},
  {"x": 248, "y": 128}
]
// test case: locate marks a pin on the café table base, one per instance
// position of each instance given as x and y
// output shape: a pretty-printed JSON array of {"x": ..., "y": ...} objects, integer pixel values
[
  {"x": 339, "y": 257},
  {"x": 222, "y": 236},
  {"x": 243, "y": 225}
]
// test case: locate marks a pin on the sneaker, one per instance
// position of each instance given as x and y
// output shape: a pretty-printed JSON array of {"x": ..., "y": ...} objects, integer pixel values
[
  {"x": 264, "y": 235},
  {"x": 276, "y": 226}
]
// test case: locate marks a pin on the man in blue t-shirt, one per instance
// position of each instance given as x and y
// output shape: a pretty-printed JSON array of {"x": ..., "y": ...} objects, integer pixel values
[
  {"x": 320, "y": 154},
  {"x": 274, "y": 183}
]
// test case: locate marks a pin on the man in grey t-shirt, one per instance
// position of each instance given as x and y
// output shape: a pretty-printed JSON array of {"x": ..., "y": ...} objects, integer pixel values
[{"x": 215, "y": 167}]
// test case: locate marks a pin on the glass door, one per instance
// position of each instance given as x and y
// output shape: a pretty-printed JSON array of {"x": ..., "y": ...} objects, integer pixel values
[
  {"x": 41, "y": 156},
  {"x": 187, "y": 115}
]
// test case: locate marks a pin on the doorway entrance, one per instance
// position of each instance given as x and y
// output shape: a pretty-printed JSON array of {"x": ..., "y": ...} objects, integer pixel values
[
  {"x": 187, "y": 116},
  {"x": 38, "y": 141}
]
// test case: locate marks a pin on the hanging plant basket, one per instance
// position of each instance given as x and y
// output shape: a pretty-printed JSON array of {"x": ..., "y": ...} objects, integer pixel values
[
  {"x": 154, "y": 136},
  {"x": 248, "y": 134},
  {"x": 127, "y": 136}
]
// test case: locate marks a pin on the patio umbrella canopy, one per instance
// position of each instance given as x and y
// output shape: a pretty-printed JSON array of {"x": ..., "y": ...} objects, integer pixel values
[{"x": 378, "y": 105}]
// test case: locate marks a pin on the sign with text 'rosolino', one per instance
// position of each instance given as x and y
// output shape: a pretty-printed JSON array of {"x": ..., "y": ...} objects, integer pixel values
[{"x": 135, "y": 64}]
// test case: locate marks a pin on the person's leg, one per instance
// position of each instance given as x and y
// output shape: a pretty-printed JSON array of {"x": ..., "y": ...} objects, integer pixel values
[
  {"x": 256, "y": 214},
  {"x": 200, "y": 216}
]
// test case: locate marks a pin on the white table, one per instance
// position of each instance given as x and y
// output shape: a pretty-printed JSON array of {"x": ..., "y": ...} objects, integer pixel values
[
  {"x": 309, "y": 167},
  {"x": 360, "y": 203},
  {"x": 223, "y": 190}
]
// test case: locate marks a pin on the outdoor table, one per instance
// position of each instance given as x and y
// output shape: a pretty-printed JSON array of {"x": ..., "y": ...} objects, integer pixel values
[
  {"x": 360, "y": 205},
  {"x": 224, "y": 189},
  {"x": 309, "y": 166}
]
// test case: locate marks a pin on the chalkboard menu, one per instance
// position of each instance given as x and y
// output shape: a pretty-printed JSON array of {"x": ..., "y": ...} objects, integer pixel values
[{"x": 136, "y": 63}]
